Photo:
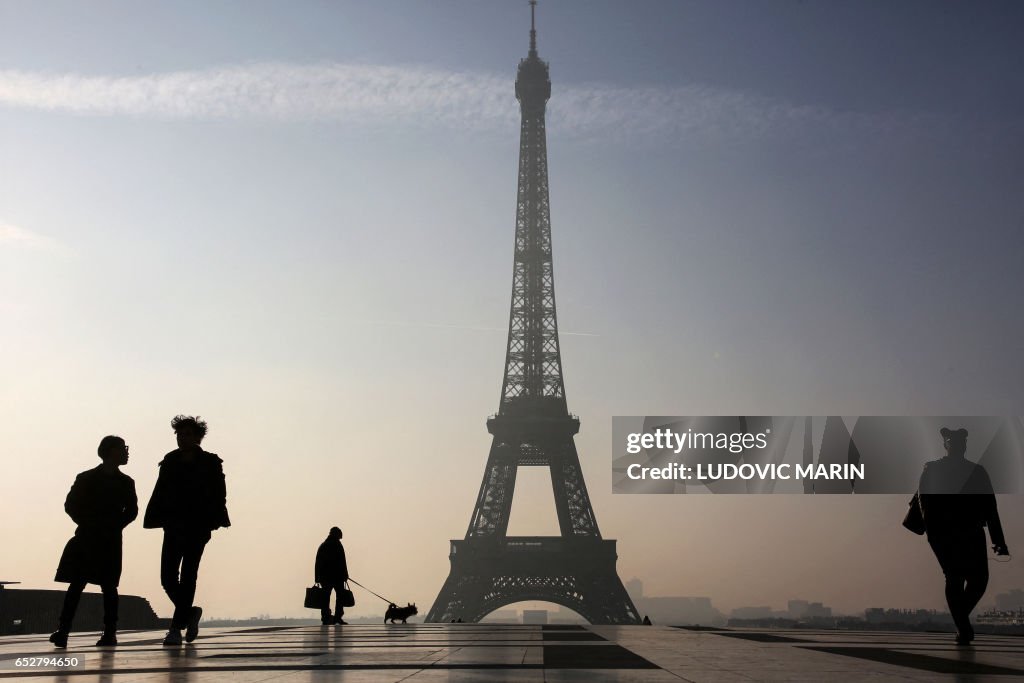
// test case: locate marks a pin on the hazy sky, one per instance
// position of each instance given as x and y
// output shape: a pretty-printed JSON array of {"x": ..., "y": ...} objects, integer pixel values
[{"x": 296, "y": 220}]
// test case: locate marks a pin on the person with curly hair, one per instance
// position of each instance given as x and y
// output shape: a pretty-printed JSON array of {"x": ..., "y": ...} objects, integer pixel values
[{"x": 189, "y": 501}]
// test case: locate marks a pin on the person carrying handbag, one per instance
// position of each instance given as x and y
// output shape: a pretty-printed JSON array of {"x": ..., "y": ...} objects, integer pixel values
[
  {"x": 957, "y": 502},
  {"x": 331, "y": 572}
]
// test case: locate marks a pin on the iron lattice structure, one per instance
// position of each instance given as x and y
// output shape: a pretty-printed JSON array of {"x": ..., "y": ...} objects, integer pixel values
[{"x": 533, "y": 427}]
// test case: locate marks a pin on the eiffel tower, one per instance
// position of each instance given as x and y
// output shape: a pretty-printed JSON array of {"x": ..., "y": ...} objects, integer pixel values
[{"x": 533, "y": 427}]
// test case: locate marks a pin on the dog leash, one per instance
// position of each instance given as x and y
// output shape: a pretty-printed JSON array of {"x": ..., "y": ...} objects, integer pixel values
[{"x": 390, "y": 602}]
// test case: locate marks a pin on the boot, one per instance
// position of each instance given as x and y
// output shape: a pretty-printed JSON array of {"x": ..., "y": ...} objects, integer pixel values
[
  {"x": 965, "y": 635},
  {"x": 108, "y": 639},
  {"x": 59, "y": 638},
  {"x": 192, "y": 630}
]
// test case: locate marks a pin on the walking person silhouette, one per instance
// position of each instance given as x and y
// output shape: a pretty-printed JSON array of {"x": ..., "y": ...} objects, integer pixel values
[
  {"x": 102, "y": 502},
  {"x": 331, "y": 572},
  {"x": 957, "y": 502},
  {"x": 188, "y": 502}
]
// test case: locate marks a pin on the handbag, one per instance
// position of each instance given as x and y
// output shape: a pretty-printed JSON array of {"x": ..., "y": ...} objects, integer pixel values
[
  {"x": 346, "y": 597},
  {"x": 316, "y": 597},
  {"x": 914, "y": 520}
]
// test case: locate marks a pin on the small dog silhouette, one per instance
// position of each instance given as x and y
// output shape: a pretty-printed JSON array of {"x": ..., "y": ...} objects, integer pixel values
[{"x": 396, "y": 612}]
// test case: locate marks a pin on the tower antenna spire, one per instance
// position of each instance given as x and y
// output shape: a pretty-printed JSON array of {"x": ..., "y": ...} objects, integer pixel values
[{"x": 533, "y": 29}]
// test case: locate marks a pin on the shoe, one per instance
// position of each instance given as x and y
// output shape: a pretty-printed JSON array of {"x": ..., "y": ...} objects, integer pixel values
[
  {"x": 965, "y": 635},
  {"x": 193, "y": 624},
  {"x": 340, "y": 622},
  {"x": 59, "y": 638},
  {"x": 173, "y": 637},
  {"x": 108, "y": 639}
]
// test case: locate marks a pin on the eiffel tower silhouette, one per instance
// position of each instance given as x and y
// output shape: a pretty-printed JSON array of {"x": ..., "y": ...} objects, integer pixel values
[{"x": 533, "y": 427}]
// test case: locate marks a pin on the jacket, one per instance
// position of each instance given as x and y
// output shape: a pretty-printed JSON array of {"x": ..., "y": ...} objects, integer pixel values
[
  {"x": 331, "y": 567},
  {"x": 190, "y": 493},
  {"x": 956, "y": 495}
]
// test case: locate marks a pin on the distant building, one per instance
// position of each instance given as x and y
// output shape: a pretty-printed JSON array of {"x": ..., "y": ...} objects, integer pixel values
[
  {"x": 816, "y": 610},
  {"x": 797, "y": 609},
  {"x": 673, "y": 610},
  {"x": 680, "y": 611},
  {"x": 37, "y": 611},
  {"x": 752, "y": 613},
  {"x": 1012, "y": 618},
  {"x": 535, "y": 616},
  {"x": 1011, "y": 601}
]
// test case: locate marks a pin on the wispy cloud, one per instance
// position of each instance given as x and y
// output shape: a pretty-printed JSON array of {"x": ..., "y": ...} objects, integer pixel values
[
  {"x": 421, "y": 96},
  {"x": 359, "y": 93},
  {"x": 12, "y": 236}
]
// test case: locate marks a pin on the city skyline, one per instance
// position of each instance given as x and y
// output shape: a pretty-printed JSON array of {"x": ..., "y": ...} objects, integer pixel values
[{"x": 297, "y": 223}]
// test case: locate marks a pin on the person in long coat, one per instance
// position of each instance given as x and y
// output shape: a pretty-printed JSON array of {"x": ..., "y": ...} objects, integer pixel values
[
  {"x": 957, "y": 503},
  {"x": 102, "y": 502},
  {"x": 331, "y": 572}
]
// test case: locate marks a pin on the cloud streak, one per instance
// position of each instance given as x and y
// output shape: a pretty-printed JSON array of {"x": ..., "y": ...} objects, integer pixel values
[{"x": 417, "y": 96}]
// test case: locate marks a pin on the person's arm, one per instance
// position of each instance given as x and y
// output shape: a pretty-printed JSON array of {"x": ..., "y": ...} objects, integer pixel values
[
  {"x": 995, "y": 529},
  {"x": 75, "y": 504},
  {"x": 922, "y": 497},
  {"x": 991, "y": 515},
  {"x": 218, "y": 495},
  {"x": 344, "y": 564},
  {"x": 155, "y": 509},
  {"x": 318, "y": 567},
  {"x": 220, "y": 487},
  {"x": 131, "y": 509}
]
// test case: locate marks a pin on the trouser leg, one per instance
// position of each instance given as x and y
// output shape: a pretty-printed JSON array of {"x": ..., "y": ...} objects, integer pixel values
[
  {"x": 955, "y": 600},
  {"x": 976, "y": 572},
  {"x": 974, "y": 590},
  {"x": 182, "y": 550},
  {"x": 325, "y": 613},
  {"x": 948, "y": 555},
  {"x": 170, "y": 561},
  {"x": 67, "y": 612},
  {"x": 195, "y": 543},
  {"x": 111, "y": 601}
]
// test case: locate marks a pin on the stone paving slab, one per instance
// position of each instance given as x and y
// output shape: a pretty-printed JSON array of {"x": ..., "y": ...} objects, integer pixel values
[{"x": 429, "y": 653}]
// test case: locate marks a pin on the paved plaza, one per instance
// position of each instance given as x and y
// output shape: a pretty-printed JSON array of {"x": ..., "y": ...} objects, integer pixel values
[{"x": 422, "y": 653}]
